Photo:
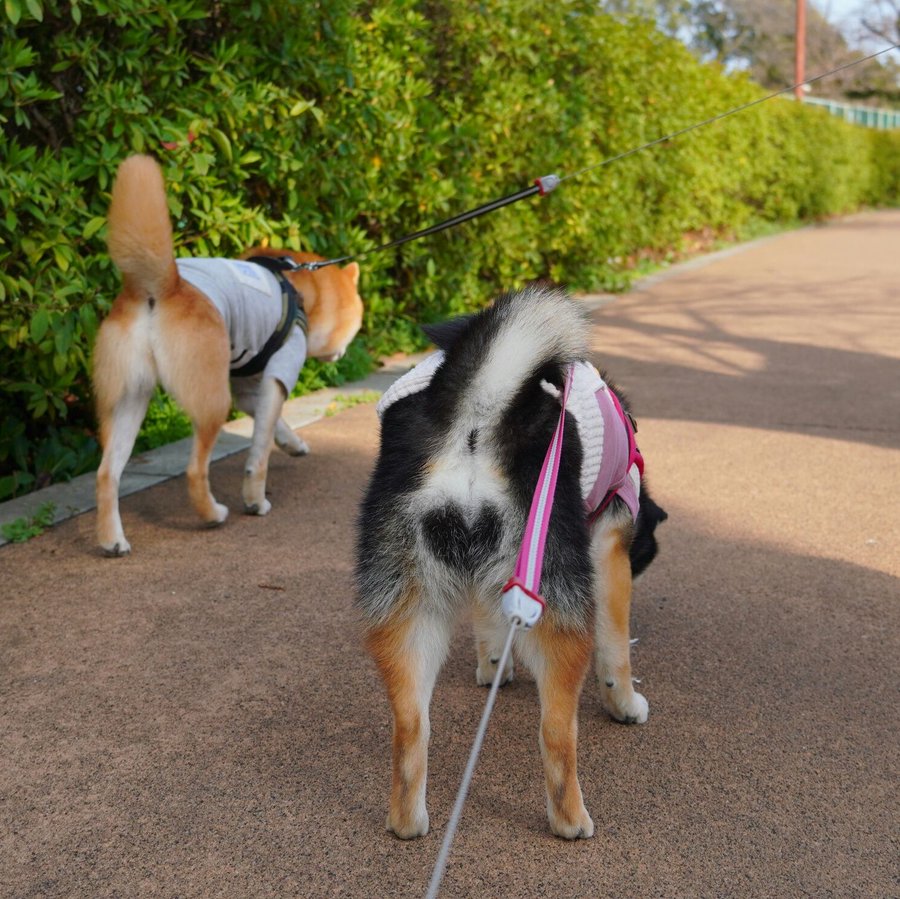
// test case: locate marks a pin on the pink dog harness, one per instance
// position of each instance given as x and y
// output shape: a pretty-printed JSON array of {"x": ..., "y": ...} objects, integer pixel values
[
  {"x": 611, "y": 464},
  {"x": 618, "y": 473}
]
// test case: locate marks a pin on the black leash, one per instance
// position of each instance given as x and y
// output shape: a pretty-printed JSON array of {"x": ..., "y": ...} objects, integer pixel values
[
  {"x": 541, "y": 186},
  {"x": 547, "y": 183}
]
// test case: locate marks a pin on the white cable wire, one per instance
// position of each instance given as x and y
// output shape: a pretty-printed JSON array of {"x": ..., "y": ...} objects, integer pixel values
[{"x": 453, "y": 823}]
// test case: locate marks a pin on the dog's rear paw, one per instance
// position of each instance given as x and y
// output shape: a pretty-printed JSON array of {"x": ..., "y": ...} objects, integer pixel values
[
  {"x": 631, "y": 710},
  {"x": 219, "y": 515},
  {"x": 259, "y": 508},
  {"x": 417, "y": 826},
  {"x": 580, "y": 828},
  {"x": 116, "y": 549},
  {"x": 486, "y": 671}
]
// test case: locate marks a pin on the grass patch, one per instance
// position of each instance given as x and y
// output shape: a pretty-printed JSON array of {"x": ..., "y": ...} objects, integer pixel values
[
  {"x": 165, "y": 423},
  {"x": 342, "y": 401},
  {"x": 23, "y": 529}
]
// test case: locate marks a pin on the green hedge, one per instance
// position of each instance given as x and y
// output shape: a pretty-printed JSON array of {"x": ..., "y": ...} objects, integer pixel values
[{"x": 336, "y": 126}]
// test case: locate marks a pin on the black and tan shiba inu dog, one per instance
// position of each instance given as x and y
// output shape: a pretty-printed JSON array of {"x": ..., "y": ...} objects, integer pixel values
[{"x": 463, "y": 439}]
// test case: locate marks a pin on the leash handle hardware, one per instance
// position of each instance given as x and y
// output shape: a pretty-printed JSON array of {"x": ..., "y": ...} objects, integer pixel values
[
  {"x": 522, "y": 607},
  {"x": 547, "y": 184}
]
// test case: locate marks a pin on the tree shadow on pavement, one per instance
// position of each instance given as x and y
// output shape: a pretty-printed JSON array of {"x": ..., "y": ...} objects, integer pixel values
[{"x": 678, "y": 363}]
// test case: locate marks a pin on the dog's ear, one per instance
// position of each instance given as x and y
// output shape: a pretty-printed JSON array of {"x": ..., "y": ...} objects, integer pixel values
[
  {"x": 352, "y": 269},
  {"x": 445, "y": 334}
]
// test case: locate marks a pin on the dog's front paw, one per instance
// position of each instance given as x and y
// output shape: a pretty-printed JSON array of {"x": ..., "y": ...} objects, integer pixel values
[
  {"x": 630, "y": 709},
  {"x": 408, "y": 828},
  {"x": 258, "y": 508},
  {"x": 487, "y": 670},
  {"x": 293, "y": 447}
]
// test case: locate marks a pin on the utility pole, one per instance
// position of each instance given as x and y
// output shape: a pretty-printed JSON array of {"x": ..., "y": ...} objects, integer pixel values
[{"x": 800, "y": 49}]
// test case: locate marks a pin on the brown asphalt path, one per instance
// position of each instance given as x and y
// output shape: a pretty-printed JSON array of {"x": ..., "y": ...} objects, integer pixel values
[{"x": 199, "y": 720}]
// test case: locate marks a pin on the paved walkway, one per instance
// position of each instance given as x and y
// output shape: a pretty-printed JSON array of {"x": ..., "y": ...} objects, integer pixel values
[{"x": 198, "y": 719}]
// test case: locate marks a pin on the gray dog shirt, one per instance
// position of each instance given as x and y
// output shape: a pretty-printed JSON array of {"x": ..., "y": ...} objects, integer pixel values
[{"x": 248, "y": 298}]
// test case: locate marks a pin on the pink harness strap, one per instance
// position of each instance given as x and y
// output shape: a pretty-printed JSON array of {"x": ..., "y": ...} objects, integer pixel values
[
  {"x": 606, "y": 430},
  {"x": 620, "y": 453}
]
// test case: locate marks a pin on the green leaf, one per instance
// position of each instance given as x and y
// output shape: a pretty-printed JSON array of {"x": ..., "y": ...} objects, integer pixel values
[
  {"x": 93, "y": 226},
  {"x": 222, "y": 143},
  {"x": 34, "y": 7},
  {"x": 300, "y": 107},
  {"x": 13, "y": 11},
  {"x": 40, "y": 321}
]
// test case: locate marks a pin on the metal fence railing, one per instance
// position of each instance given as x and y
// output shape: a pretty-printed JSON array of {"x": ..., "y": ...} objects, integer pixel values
[{"x": 868, "y": 116}]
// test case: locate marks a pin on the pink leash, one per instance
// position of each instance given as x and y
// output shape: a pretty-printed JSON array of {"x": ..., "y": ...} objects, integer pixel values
[{"x": 522, "y": 601}]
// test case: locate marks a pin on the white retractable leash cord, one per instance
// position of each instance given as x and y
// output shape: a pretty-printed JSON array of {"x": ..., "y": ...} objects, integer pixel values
[{"x": 523, "y": 606}]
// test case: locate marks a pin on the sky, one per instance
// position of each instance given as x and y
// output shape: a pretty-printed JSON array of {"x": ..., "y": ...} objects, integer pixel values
[{"x": 846, "y": 15}]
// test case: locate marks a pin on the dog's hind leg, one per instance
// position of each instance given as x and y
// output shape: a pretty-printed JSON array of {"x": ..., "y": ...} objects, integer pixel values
[
  {"x": 203, "y": 501},
  {"x": 409, "y": 651},
  {"x": 192, "y": 356},
  {"x": 560, "y": 659},
  {"x": 118, "y": 431},
  {"x": 611, "y": 544},
  {"x": 490, "y": 637}
]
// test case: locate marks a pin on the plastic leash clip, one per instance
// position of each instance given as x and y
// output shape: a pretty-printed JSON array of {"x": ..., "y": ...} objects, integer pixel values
[
  {"x": 520, "y": 605},
  {"x": 547, "y": 183}
]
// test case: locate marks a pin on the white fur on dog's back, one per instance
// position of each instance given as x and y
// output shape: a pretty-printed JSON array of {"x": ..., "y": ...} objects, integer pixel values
[
  {"x": 541, "y": 325},
  {"x": 531, "y": 329},
  {"x": 140, "y": 232}
]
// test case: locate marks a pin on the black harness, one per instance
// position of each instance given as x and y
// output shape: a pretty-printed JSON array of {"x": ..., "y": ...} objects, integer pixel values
[{"x": 291, "y": 312}]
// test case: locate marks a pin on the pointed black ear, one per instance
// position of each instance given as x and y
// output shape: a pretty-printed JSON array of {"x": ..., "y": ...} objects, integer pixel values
[{"x": 445, "y": 334}]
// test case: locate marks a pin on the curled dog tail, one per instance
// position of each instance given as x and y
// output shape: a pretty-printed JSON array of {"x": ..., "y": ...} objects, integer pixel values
[
  {"x": 140, "y": 232},
  {"x": 492, "y": 357}
]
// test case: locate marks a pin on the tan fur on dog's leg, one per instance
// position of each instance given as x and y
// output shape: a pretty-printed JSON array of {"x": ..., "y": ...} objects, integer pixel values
[
  {"x": 204, "y": 503},
  {"x": 267, "y": 410},
  {"x": 409, "y": 654},
  {"x": 124, "y": 377},
  {"x": 560, "y": 662},
  {"x": 613, "y": 603},
  {"x": 490, "y": 638},
  {"x": 118, "y": 431}
]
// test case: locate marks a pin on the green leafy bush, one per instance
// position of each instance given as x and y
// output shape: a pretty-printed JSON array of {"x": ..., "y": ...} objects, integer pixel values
[{"x": 338, "y": 126}]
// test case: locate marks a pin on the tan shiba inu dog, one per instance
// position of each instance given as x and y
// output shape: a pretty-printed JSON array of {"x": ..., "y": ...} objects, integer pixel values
[{"x": 193, "y": 325}]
